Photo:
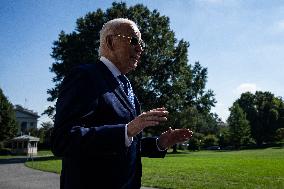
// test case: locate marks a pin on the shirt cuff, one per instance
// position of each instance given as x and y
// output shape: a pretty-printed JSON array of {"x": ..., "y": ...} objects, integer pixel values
[
  {"x": 161, "y": 150},
  {"x": 128, "y": 140}
]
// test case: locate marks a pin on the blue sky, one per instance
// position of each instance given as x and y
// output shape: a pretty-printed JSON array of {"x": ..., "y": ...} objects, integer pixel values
[{"x": 240, "y": 42}]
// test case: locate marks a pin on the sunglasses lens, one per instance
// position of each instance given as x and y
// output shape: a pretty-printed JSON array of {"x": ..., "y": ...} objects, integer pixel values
[{"x": 134, "y": 41}]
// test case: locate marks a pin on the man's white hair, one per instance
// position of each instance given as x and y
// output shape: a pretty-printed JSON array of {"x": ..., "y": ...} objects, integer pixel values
[{"x": 110, "y": 27}]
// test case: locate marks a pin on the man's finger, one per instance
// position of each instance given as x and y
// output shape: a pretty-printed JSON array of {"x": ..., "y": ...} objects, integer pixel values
[
  {"x": 156, "y": 113},
  {"x": 153, "y": 117},
  {"x": 158, "y": 109},
  {"x": 157, "y": 118},
  {"x": 150, "y": 124}
]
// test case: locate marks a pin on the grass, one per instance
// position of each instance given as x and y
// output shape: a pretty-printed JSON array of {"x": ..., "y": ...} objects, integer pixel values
[
  {"x": 207, "y": 169},
  {"x": 50, "y": 164},
  {"x": 262, "y": 168},
  {"x": 6, "y": 156},
  {"x": 44, "y": 153},
  {"x": 39, "y": 153}
]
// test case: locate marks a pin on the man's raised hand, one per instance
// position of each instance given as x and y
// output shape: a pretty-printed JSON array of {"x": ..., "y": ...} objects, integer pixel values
[
  {"x": 171, "y": 137},
  {"x": 146, "y": 119}
]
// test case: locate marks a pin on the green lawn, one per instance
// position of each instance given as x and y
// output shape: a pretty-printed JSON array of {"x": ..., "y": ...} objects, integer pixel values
[
  {"x": 207, "y": 169},
  {"x": 6, "y": 156},
  {"x": 44, "y": 153},
  {"x": 39, "y": 153}
]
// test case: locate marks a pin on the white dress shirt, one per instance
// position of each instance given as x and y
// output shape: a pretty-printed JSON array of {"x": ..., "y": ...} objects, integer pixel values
[{"x": 115, "y": 72}]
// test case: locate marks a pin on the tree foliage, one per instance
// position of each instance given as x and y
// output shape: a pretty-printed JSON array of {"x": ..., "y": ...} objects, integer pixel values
[
  {"x": 210, "y": 140},
  {"x": 265, "y": 113},
  {"x": 163, "y": 78},
  {"x": 279, "y": 136},
  {"x": 238, "y": 126},
  {"x": 8, "y": 124},
  {"x": 224, "y": 136},
  {"x": 195, "y": 142},
  {"x": 43, "y": 133}
]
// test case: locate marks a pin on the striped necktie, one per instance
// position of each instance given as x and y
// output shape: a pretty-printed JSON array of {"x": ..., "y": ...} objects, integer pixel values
[{"x": 127, "y": 88}]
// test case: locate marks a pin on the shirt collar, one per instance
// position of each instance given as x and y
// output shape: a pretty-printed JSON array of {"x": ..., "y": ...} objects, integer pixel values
[{"x": 114, "y": 70}]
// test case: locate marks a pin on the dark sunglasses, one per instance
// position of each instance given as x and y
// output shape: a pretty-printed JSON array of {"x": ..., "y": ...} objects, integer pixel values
[{"x": 134, "y": 41}]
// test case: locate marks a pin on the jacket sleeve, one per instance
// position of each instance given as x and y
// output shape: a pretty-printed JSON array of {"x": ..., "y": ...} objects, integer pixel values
[
  {"x": 150, "y": 149},
  {"x": 148, "y": 145},
  {"x": 72, "y": 136}
]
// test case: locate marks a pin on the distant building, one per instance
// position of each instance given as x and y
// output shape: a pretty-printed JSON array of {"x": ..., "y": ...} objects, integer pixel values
[
  {"x": 27, "y": 119},
  {"x": 24, "y": 144}
]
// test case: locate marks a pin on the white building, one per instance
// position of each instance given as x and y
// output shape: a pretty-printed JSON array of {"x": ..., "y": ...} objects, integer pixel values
[
  {"x": 24, "y": 144},
  {"x": 27, "y": 119}
]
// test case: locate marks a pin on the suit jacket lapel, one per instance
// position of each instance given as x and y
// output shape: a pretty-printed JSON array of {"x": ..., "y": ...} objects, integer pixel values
[
  {"x": 121, "y": 95},
  {"x": 118, "y": 91}
]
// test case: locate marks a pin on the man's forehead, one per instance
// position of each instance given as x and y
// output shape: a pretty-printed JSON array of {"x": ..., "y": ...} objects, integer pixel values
[
  {"x": 130, "y": 29},
  {"x": 135, "y": 28}
]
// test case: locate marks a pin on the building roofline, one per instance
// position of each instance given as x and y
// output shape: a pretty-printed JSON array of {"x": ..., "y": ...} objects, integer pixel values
[
  {"x": 24, "y": 110},
  {"x": 25, "y": 138}
]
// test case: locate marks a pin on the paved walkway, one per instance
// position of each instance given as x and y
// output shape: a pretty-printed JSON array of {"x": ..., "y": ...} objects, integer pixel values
[{"x": 15, "y": 175}]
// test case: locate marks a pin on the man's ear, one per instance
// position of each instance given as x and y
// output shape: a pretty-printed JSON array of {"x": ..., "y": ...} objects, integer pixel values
[{"x": 109, "y": 43}]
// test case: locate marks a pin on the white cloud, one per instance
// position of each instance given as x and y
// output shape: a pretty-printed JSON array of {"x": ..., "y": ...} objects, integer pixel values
[{"x": 246, "y": 87}]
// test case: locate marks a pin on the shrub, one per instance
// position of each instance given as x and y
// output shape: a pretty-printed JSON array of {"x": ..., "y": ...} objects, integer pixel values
[
  {"x": 195, "y": 142},
  {"x": 279, "y": 135},
  {"x": 210, "y": 140},
  {"x": 5, "y": 151}
]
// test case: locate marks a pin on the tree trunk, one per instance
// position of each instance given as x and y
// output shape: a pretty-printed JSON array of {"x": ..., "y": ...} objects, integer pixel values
[{"x": 175, "y": 149}]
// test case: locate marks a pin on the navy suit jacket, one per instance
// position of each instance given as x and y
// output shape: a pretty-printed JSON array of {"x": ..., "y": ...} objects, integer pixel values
[{"x": 89, "y": 132}]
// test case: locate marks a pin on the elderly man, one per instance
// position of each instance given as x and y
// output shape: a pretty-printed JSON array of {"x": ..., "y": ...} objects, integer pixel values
[{"x": 98, "y": 122}]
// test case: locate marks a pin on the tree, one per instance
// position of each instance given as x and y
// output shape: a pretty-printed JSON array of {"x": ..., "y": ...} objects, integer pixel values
[
  {"x": 210, "y": 140},
  {"x": 279, "y": 134},
  {"x": 164, "y": 77},
  {"x": 205, "y": 123},
  {"x": 247, "y": 104},
  {"x": 265, "y": 113},
  {"x": 195, "y": 141},
  {"x": 238, "y": 126},
  {"x": 32, "y": 131},
  {"x": 44, "y": 133},
  {"x": 8, "y": 124},
  {"x": 224, "y": 136}
]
